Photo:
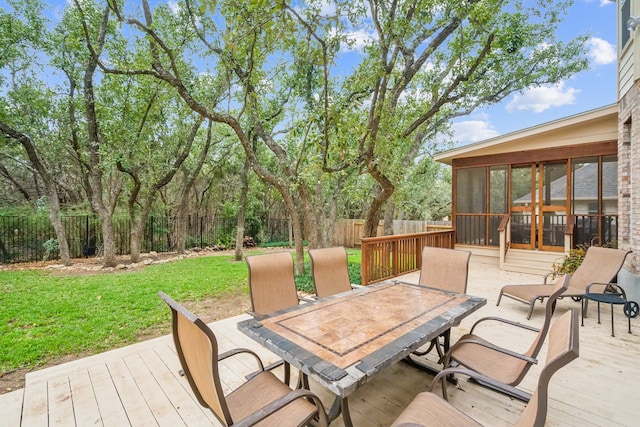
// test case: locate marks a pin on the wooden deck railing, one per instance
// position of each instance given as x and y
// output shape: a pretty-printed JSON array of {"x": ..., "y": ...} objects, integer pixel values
[{"x": 390, "y": 256}]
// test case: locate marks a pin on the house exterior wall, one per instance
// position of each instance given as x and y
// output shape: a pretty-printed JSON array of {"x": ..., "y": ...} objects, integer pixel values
[
  {"x": 629, "y": 189},
  {"x": 629, "y": 150}
]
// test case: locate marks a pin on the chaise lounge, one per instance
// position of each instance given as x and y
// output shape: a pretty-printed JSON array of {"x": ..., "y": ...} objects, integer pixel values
[{"x": 600, "y": 266}]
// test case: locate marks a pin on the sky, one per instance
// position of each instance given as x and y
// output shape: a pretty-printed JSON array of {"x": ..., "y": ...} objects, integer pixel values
[{"x": 596, "y": 87}]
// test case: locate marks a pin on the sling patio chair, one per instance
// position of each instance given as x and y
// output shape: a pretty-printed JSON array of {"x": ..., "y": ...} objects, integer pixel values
[
  {"x": 271, "y": 283},
  {"x": 600, "y": 266},
  {"x": 262, "y": 400},
  {"x": 272, "y": 288},
  {"x": 499, "y": 363},
  {"x": 428, "y": 409},
  {"x": 446, "y": 269},
  {"x": 329, "y": 271}
]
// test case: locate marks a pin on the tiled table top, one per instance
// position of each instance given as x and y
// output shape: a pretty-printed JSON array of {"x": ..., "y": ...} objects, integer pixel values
[{"x": 343, "y": 340}]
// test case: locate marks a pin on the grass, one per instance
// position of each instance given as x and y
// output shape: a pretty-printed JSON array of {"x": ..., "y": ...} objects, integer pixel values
[{"x": 44, "y": 317}]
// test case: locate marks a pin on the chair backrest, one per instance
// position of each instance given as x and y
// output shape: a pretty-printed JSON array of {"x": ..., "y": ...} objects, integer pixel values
[
  {"x": 329, "y": 271},
  {"x": 271, "y": 282},
  {"x": 600, "y": 265},
  {"x": 446, "y": 269},
  {"x": 563, "y": 348},
  {"x": 198, "y": 353},
  {"x": 559, "y": 287}
]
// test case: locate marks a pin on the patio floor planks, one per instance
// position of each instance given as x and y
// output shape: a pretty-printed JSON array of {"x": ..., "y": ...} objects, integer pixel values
[{"x": 140, "y": 384}]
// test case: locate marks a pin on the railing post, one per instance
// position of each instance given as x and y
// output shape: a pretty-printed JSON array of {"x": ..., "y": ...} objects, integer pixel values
[
  {"x": 364, "y": 263},
  {"x": 395, "y": 258},
  {"x": 503, "y": 230}
]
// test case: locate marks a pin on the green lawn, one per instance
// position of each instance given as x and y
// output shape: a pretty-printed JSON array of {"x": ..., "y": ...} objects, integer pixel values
[{"x": 44, "y": 317}]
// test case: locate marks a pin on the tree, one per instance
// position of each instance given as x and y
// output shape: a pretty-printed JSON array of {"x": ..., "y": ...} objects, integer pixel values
[
  {"x": 430, "y": 62},
  {"x": 22, "y": 33}
]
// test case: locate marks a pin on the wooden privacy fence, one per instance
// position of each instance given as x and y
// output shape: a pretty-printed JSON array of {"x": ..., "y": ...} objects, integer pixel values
[
  {"x": 390, "y": 256},
  {"x": 348, "y": 232}
]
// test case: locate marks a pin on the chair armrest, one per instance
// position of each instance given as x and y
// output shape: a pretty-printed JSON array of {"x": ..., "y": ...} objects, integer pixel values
[
  {"x": 472, "y": 374},
  {"x": 507, "y": 321},
  {"x": 492, "y": 347},
  {"x": 263, "y": 413},
  {"x": 237, "y": 351},
  {"x": 611, "y": 288},
  {"x": 546, "y": 277}
]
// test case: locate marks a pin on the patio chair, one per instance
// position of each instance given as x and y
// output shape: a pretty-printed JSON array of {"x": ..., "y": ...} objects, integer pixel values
[
  {"x": 499, "y": 363},
  {"x": 272, "y": 288},
  {"x": 446, "y": 269},
  {"x": 271, "y": 283},
  {"x": 263, "y": 398},
  {"x": 329, "y": 271},
  {"x": 427, "y": 409},
  {"x": 600, "y": 266}
]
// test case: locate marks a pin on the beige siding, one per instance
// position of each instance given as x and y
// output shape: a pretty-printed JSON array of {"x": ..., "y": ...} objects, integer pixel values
[{"x": 625, "y": 70}]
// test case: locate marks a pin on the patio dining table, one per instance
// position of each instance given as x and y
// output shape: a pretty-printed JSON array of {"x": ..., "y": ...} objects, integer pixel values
[{"x": 344, "y": 340}]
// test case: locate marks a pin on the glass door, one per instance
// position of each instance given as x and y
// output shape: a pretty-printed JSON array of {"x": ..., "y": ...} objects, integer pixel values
[
  {"x": 523, "y": 201},
  {"x": 552, "y": 210}
]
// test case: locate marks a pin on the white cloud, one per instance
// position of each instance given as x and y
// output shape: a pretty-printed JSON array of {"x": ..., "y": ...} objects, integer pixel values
[
  {"x": 470, "y": 131},
  {"x": 174, "y": 7},
  {"x": 601, "y": 51},
  {"x": 358, "y": 39},
  {"x": 539, "y": 99}
]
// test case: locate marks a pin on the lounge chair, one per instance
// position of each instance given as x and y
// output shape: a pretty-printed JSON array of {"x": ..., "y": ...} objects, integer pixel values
[
  {"x": 600, "y": 265},
  {"x": 263, "y": 398},
  {"x": 329, "y": 271},
  {"x": 271, "y": 282},
  {"x": 427, "y": 409},
  {"x": 499, "y": 363},
  {"x": 446, "y": 269}
]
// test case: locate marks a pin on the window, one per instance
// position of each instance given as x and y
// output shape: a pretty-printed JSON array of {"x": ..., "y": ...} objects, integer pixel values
[
  {"x": 481, "y": 201},
  {"x": 594, "y": 200},
  {"x": 625, "y": 14},
  {"x": 471, "y": 190}
]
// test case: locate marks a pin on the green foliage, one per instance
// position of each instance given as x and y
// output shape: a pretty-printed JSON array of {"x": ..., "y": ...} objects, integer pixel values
[
  {"x": 277, "y": 244},
  {"x": 570, "y": 262},
  {"x": 51, "y": 249}
]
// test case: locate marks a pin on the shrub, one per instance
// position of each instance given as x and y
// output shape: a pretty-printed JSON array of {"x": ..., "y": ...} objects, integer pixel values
[{"x": 51, "y": 249}]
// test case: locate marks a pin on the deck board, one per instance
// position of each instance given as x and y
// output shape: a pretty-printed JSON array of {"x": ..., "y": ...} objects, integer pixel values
[
  {"x": 85, "y": 405},
  {"x": 139, "y": 385},
  {"x": 11, "y": 407}
]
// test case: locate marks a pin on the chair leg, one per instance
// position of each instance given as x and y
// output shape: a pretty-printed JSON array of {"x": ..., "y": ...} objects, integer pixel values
[
  {"x": 531, "y": 306},
  {"x": 499, "y": 298},
  {"x": 287, "y": 373},
  {"x": 612, "y": 333}
]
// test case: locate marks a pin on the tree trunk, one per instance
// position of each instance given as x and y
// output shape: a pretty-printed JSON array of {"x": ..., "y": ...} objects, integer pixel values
[
  {"x": 244, "y": 189},
  {"x": 136, "y": 240},
  {"x": 108, "y": 242},
  {"x": 389, "y": 213},
  {"x": 182, "y": 217}
]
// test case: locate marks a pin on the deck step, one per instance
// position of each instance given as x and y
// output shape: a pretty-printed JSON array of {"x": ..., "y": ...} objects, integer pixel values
[{"x": 532, "y": 262}]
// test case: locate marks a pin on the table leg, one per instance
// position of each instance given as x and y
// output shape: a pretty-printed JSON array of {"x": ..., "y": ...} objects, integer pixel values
[
  {"x": 340, "y": 406},
  {"x": 612, "y": 334}
]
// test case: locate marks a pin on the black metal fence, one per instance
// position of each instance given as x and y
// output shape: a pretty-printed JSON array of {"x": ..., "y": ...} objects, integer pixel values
[{"x": 32, "y": 238}]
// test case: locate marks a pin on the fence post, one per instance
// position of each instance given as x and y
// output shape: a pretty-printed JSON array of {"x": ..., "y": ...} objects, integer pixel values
[{"x": 201, "y": 231}]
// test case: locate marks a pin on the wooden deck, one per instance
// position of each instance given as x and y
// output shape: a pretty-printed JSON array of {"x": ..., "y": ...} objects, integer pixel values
[{"x": 139, "y": 385}]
